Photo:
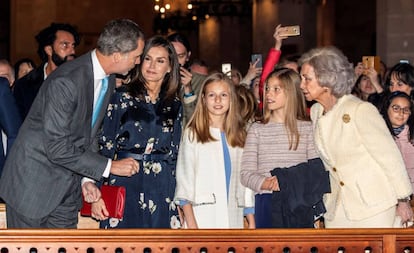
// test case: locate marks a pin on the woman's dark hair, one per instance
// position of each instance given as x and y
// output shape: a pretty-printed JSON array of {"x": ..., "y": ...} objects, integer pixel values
[
  {"x": 178, "y": 37},
  {"x": 20, "y": 62},
  {"x": 170, "y": 84},
  {"x": 410, "y": 121},
  {"x": 404, "y": 72}
]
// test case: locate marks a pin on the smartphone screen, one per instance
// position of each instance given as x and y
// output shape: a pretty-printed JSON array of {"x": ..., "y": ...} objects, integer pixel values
[
  {"x": 260, "y": 62},
  {"x": 226, "y": 68}
]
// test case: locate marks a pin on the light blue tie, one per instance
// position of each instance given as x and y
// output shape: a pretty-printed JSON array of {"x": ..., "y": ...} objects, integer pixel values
[{"x": 99, "y": 102}]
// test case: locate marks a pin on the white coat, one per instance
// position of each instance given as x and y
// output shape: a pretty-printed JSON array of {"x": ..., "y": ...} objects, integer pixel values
[{"x": 201, "y": 180}]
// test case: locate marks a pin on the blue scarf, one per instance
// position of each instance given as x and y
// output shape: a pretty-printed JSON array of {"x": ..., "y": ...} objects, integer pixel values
[{"x": 398, "y": 130}]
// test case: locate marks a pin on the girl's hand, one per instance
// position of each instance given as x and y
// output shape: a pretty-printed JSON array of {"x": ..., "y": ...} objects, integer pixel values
[
  {"x": 270, "y": 184},
  {"x": 278, "y": 36}
]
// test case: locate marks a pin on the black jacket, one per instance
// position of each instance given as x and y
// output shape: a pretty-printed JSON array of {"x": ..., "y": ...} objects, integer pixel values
[
  {"x": 299, "y": 200},
  {"x": 26, "y": 88}
]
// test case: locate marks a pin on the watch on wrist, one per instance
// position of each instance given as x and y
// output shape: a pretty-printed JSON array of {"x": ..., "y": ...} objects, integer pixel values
[{"x": 406, "y": 199}]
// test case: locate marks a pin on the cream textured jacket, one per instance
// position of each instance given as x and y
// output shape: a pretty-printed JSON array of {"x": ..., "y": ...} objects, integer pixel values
[
  {"x": 366, "y": 168},
  {"x": 201, "y": 180}
]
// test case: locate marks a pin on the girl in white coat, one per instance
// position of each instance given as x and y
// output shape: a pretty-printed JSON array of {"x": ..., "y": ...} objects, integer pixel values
[{"x": 208, "y": 166}]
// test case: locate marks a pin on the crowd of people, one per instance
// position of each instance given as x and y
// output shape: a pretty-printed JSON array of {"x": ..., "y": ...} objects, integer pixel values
[{"x": 301, "y": 140}]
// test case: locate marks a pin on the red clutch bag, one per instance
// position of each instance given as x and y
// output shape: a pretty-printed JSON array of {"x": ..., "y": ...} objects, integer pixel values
[{"x": 114, "y": 198}]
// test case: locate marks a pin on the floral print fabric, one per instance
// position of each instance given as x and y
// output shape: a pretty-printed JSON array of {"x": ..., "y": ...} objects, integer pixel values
[{"x": 136, "y": 125}]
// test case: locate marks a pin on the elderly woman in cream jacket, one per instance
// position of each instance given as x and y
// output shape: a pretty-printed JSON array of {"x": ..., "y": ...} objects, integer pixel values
[{"x": 370, "y": 185}]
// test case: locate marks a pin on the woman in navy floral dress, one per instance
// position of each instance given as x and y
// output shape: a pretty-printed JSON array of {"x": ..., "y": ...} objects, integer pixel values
[{"x": 144, "y": 122}]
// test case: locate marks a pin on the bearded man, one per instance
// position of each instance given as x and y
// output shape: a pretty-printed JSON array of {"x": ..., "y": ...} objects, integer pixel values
[{"x": 56, "y": 45}]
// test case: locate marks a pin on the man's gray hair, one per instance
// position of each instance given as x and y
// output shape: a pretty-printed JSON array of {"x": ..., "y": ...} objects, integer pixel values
[{"x": 119, "y": 35}]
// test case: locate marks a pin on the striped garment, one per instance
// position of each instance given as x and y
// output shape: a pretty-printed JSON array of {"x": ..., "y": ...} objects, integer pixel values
[{"x": 267, "y": 147}]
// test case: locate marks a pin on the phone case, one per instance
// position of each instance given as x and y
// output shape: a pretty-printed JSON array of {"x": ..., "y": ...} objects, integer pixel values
[
  {"x": 371, "y": 62},
  {"x": 255, "y": 57},
  {"x": 291, "y": 30}
]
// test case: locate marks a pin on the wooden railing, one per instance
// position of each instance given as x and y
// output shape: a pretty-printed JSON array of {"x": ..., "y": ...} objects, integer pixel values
[{"x": 208, "y": 241}]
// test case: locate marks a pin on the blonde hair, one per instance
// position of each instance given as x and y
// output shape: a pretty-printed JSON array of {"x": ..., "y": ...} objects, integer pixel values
[
  {"x": 199, "y": 123},
  {"x": 295, "y": 103},
  {"x": 247, "y": 103}
]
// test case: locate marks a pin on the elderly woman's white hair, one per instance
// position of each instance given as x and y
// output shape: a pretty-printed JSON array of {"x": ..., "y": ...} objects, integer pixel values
[{"x": 332, "y": 69}]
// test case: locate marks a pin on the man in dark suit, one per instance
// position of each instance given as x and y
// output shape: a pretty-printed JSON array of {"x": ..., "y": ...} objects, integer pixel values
[
  {"x": 9, "y": 118},
  {"x": 57, "y": 145},
  {"x": 56, "y": 45}
]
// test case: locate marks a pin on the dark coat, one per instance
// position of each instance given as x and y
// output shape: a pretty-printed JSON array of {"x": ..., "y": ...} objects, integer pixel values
[
  {"x": 10, "y": 120},
  {"x": 299, "y": 200},
  {"x": 26, "y": 88}
]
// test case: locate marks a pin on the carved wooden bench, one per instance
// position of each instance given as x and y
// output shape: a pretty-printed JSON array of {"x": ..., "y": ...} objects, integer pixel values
[{"x": 208, "y": 241}]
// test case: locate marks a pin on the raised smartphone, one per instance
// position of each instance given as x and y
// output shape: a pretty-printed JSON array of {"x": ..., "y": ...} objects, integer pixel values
[
  {"x": 293, "y": 30},
  {"x": 226, "y": 68},
  {"x": 371, "y": 62},
  {"x": 256, "y": 57}
]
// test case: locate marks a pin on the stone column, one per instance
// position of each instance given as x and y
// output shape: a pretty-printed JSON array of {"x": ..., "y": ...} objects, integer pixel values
[{"x": 395, "y": 30}]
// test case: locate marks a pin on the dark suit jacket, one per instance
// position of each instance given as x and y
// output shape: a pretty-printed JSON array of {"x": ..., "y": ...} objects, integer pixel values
[
  {"x": 9, "y": 118},
  {"x": 299, "y": 200},
  {"x": 26, "y": 88},
  {"x": 56, "y": 146}
]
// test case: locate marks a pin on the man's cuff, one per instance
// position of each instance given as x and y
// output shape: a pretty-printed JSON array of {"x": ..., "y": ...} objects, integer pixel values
[
  {"x": 87, "y": 179},
  {"x": 107, "y": 169}
]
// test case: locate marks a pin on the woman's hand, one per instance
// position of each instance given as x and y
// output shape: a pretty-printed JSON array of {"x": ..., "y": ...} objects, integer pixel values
[
  {"x": 405, "y": 211},
  {"x": 186, "y": 77},
  {"x": 359, "y": 69},
  {"x": 373, "y": 77},
  {"x": 252, "y": 72}
]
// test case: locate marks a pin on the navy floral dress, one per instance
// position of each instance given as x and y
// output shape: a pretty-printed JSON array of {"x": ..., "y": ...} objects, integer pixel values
[{"x": 138, "y": 126}]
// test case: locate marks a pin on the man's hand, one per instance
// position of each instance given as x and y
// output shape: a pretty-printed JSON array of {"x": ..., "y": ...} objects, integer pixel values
[
  {"x": 125, "y": 167},
  {"x": 90, "y": 192},
  {"x": 99, "y": 210}
]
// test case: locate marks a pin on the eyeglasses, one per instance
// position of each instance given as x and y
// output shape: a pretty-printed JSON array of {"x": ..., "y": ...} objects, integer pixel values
[
  {"x": 65, "y": 45},
  {"x": 398, "y": 109}
]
